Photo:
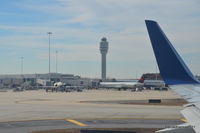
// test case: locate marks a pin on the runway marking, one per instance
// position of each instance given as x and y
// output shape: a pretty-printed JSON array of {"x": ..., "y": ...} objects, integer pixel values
[
  {"x": 76, "y": 122},
  {"x": 184, "y": 120}
]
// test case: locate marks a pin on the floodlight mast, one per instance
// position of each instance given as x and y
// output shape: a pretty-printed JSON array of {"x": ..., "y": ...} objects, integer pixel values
[{"x": 49, "y": 33}]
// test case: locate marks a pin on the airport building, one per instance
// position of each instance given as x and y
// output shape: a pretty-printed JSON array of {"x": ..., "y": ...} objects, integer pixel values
[
  {"x": 198, "y": 77},
  {"x": 152, "y": 76},
  {"x": 27, "y": 80},
  {"x": 36, "y": 80}
]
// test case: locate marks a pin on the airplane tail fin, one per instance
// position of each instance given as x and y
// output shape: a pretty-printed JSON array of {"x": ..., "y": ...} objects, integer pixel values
[
  {"x": 141, "y": 80},
  {"x": 172, "y": 68}
]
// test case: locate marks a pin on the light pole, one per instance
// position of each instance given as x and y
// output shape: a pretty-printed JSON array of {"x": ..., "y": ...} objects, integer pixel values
[
  {"x": 22, "y": 69},
  {"x": 56, "y": 62},
  {"x": 22, "y": 65},
  {"x": 49, "y": 33}
]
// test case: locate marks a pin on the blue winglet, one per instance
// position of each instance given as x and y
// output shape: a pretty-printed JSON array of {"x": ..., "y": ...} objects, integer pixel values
[{"x": 172, "y": 68}]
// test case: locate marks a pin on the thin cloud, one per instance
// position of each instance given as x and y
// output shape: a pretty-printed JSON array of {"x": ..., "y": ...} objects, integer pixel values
[{"x": 78, "y": 26}]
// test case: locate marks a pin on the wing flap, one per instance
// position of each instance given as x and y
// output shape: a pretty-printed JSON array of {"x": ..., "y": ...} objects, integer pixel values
[
  {"x": 183, "y": 128},
  {"x": 192, "y": 113}
]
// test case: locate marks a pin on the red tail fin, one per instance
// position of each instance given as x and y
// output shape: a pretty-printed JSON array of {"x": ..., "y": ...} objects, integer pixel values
[
  {"x": 61, "y": 79},
  {"x": 141, "y": 80}
]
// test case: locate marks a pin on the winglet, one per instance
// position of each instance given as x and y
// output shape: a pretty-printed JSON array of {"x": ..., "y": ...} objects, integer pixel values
[{"x": 172, "y": 68}]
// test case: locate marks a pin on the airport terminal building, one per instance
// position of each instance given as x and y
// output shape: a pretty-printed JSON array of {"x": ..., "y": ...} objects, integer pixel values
[
  {"x": 14, "y": 80},
  {"x": 37, "y": 80}
]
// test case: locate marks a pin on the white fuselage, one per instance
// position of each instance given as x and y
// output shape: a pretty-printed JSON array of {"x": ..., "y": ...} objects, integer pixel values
[
  {"x": 58, "y": 84},
  {"x": 120, "y": 84}
]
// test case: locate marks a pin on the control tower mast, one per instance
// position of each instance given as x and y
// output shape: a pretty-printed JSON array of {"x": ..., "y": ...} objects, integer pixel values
[{"x": 103, "y": 50}]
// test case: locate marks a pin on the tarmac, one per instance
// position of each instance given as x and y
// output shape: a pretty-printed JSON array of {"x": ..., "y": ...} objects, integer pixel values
[
  {"x": 32, "y": 110},
  {"x": 30, "y": 126}
]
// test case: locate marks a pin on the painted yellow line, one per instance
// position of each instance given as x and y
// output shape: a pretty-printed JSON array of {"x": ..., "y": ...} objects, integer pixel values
[
  {"x": 76, "y": 122},
  {"x": 184, "y": 120}
]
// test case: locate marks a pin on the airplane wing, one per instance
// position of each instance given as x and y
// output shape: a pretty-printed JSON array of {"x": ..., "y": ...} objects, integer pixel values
[{"x": 177, "y": 75}]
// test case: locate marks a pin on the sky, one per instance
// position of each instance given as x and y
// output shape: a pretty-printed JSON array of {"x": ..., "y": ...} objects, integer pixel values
[{"x": 79, "y": 25}]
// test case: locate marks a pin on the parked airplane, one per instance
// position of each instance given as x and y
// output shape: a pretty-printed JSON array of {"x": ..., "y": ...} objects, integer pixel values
[
  {"x": 60, "y": 86},
  {"x": 177, "y": 75},
  {"x": 55, "y": 85},
  {"x": 122, "y": 85}
]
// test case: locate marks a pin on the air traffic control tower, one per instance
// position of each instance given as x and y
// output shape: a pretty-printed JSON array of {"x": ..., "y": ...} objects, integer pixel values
[{"x": 103, "y": 50}]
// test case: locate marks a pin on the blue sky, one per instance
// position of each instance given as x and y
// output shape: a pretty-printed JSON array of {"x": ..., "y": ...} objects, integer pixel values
[{"x": 78, "y": 26}]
